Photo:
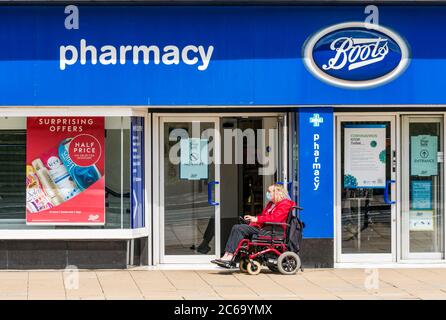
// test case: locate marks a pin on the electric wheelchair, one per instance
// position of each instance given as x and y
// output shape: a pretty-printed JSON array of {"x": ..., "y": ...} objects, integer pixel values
[{"x": 277, "y": 247}]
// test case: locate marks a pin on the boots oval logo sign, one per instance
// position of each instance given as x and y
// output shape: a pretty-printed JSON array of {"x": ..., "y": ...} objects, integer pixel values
[{"x": 356, "y": 55}]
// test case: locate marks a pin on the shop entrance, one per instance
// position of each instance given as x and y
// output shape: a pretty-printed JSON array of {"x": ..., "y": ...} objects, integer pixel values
[
  {"x": 389, "y": 188},
  {"x": 422, "y": 205},
  {"x": 366, "y": 175},
  {"x": 213, "y": 169}
]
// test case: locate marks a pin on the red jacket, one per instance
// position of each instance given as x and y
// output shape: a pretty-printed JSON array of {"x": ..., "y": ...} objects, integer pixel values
[{"x": 278, "y": 213}]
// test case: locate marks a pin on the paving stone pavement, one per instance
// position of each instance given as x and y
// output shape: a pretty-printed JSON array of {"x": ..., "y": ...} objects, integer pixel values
[{"x": 214, "y": 284}]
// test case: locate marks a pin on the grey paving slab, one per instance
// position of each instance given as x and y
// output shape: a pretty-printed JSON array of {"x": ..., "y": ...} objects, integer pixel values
[{"x": 313, "y": 284}]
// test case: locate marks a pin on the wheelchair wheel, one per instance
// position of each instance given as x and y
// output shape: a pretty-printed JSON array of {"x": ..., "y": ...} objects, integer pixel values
[
  {"x": 254, "y": 267},
  {"x": 288, "y": 263},
  {"x": 243, "y": 265}
]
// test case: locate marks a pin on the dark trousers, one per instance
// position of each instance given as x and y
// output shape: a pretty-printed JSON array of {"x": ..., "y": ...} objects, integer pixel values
[{"x": 239, "y": 232}]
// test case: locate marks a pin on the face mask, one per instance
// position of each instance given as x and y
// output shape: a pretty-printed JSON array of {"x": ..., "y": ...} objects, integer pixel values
[{"x": 268, "y": 196}]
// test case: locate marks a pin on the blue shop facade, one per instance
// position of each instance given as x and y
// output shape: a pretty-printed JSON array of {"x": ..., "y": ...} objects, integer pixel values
[{"x": 204, "y": 107}]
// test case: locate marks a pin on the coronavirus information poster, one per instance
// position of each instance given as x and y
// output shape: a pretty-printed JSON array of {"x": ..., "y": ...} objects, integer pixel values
[
  {"x": 65, "y": 183},
  {"x": 365, "y": 156}
]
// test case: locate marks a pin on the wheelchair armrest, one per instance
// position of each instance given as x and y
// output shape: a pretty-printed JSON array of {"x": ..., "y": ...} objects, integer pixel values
[
  {"x": 277, "y": 227},
  {"x": 282, "y": 224}
]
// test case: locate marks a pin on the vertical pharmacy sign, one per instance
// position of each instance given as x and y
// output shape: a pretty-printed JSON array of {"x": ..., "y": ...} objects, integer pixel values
[
  {"x": 365, "y": 156},
  {"x": 65, "y": 181},
  {"x": 137, "y": 165}
]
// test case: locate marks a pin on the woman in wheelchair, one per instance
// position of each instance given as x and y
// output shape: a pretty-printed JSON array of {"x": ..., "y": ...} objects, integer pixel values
[{"x": 276, "y": 210}]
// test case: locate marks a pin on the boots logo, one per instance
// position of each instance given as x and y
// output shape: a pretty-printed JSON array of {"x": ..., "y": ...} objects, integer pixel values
[{"x": 356, "y": 55}]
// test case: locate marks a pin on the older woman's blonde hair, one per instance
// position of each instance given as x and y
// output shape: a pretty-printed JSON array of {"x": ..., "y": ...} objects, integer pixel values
[{"x": 280, "y": 192}]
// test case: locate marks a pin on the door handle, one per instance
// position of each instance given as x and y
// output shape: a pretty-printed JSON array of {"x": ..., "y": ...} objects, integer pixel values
[
  {"x": 386, "y": 192},
  {"x": 210, "y": 201}
]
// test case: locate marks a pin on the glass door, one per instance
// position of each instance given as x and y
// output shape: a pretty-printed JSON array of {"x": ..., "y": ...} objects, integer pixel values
[
  {"x": 282, "y": 153},
  {"x": 366, "y": 189},
  {"x": 422, "y": 214},
  {"x": 189, "y": 189}
]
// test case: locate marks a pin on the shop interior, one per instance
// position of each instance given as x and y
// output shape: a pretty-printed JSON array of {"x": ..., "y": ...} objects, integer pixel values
[{"x": 189, "y": 220}]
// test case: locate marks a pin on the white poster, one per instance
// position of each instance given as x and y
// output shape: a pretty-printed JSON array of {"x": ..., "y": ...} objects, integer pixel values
[
  {"x": 421, "y": 220},
  {"x": 194, "y": 161},
  {"x": 365, "y": 156}
]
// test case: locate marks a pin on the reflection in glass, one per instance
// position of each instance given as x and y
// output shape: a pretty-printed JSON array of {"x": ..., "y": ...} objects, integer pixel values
[
  {"x": 187, "y": 213},
  {"x": 12, "y": 175}
]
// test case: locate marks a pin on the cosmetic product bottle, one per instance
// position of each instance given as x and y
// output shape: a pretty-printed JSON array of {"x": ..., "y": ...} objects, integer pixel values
[
  {"x": 36, "y": 199},
  {"x": 83, "y": 176},
  {"x": 48, "y": 185},
  {"x": 59, "y": 174}
]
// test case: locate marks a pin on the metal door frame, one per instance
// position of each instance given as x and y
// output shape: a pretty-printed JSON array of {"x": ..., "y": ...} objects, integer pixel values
[
  {"x": 157, "y": 233},
  {"x": 217, "y": 147}
]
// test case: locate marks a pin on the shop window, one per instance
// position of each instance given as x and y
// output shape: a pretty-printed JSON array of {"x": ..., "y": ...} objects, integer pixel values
[
  {"x": 16, "y": 172},
  {"x": 117, "y": 172},
  {"x": 12, "y": 171}
]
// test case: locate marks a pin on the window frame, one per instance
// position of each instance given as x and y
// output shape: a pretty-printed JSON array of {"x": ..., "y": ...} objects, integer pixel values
[{"x": 79, "y": 233}]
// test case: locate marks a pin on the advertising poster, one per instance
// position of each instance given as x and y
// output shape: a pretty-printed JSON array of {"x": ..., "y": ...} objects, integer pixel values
[
  {"x": 421, "y": 195},
  {"x": 365, "y": 156},
  {"x": 423, "y": 155},
  {"x": 65, "y": 183},
  {"x": 194, "y": 159}
]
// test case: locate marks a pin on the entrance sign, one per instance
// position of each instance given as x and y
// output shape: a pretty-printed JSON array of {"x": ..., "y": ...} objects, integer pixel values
[
  {"x": 365, "y": 156},
  {"x": 194, "y": 159},
  {"x": 423, "y": 155},
  {"x": 421, "y": 220},
  {"x": 421, "y": 195},
  {"x": 65, "y": 181}
]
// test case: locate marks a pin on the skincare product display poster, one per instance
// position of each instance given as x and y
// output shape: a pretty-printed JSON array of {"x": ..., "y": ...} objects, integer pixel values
[{"x": 65, "y": 183}]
